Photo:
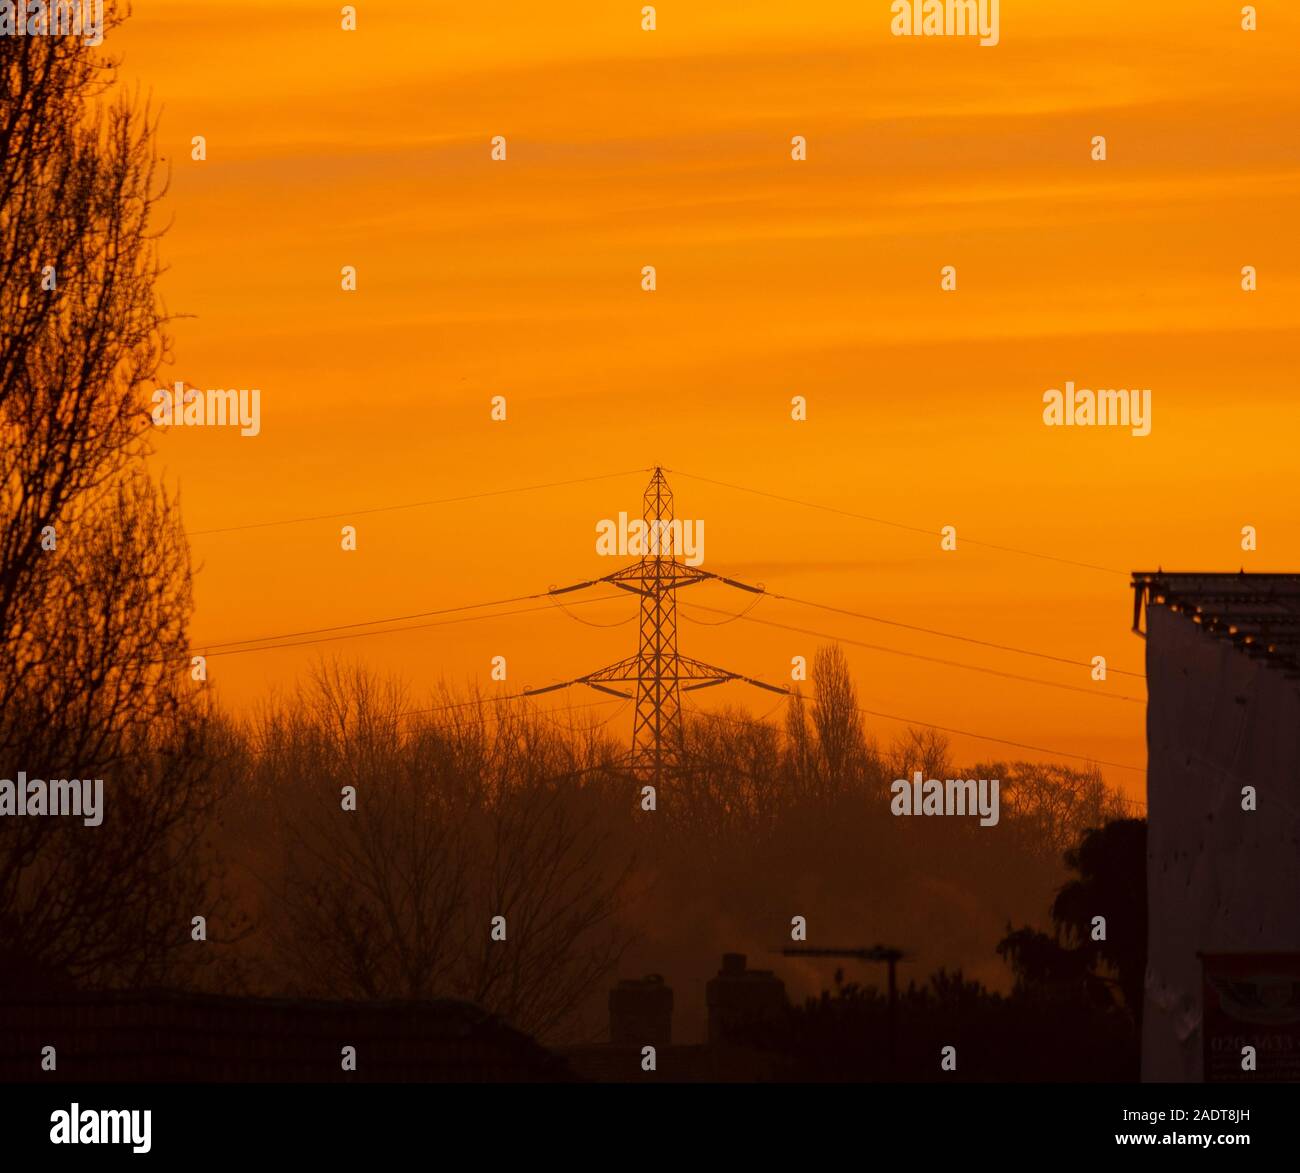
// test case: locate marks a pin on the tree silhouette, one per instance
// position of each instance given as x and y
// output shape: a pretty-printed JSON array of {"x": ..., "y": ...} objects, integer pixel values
[
  {"x": 1110, "y": 863},
  {"x": 94, "y": 570},
  {"x": 454, "y": 823}
]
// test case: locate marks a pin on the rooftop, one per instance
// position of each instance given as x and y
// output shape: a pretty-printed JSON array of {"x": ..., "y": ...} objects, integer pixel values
[
  {"x": 173, "y": 1036},
  {"x": 1258, "y": 613}
]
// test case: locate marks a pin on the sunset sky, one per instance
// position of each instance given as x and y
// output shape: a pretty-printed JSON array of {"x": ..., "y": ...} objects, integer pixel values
[{"x": 776, "y": 278}]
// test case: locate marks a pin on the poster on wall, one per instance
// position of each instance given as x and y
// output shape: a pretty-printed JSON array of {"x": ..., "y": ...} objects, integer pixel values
[{"x": 1251, "y": 1000}]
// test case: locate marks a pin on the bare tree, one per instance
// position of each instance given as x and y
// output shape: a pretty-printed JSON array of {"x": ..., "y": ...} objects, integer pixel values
[
  {"x": 374, "y": 864},
  {"x": 82, "y": 323},
  {"x": 94, "y": 569},
  {"x": 389, "y": 889},
  {"x": 1052, "y": 805},
  {"x": 916, "y": 749},
  {"x": 845, "y": 754}
]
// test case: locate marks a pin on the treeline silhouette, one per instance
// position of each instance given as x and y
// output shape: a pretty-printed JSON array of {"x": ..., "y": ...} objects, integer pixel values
[
  {"x": 348, "y": 849},
  {"x": 481, "y": 808}
]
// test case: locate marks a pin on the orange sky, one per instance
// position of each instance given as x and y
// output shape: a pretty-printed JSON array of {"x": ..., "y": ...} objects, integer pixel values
[{"x": 821, "y": 278}]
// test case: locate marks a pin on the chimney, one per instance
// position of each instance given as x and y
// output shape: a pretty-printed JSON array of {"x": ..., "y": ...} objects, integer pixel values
[
  {"x": 740, "y": 997},
  {"x": 641, "y": 1012}
]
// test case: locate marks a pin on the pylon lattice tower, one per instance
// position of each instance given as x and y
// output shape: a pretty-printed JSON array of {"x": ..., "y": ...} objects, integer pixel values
[{"x": 658, "y": 671}]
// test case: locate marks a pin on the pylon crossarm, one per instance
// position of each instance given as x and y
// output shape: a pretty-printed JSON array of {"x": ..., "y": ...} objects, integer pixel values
[
  {"x": 677, "y": 584},
  {"x": 550, "y": 688},
  {"x": 570, "y": 683},
  {"x": 694, "y": 670},
  {"x": 680, "y": 578},
  {"x": 623, "y": 672},
  {"x": 683, "y": 576},
  {"x": 705, "y": 684},
  {"x": 732, "y": 582},
  {"x": 627, "y": 696},
  {"x": 699, "y": 670},
  {"x": 577, "y": 586},
  {"x": 623, "y": 586}
]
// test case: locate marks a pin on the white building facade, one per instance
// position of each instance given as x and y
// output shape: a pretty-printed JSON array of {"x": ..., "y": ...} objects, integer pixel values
[{"x": 1223, "y": 837}]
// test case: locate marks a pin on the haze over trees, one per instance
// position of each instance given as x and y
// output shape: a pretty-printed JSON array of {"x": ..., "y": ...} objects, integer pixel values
[{"x": 470, "y": 808}]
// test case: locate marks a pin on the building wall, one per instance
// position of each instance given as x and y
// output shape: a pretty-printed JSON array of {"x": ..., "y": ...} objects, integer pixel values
[{"x": 1218, "y": 879}]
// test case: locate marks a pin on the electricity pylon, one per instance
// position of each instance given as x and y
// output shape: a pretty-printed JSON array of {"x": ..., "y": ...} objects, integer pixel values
[{"x": 658, "y": 670}]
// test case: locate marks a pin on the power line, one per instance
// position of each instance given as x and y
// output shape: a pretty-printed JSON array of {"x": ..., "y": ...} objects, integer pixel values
[
  {"x": 348, "y": 632},
  {"x": 479, "y": 701},
  {"x": 930, "y": 659},
  {"x": 730, "y": 616},
  {"x": 628, "y": 472},
  {"x": 512, "y": 696},
  {"x": 1003, "y": 741},
  {"x": 693, "y": 476},
  {"x": 411, "y": 504},
  {"x": 959, "y": 733},
  {"x": 623, "y": 707},
  {"x": 588, "y": 622},
  {"x": 372, "y": 622},
  {"x": 860, "y": 709},
  {"x": 393, "y": 630},
  {"x": 896, "y": 524},
  {"x": 761, "y": 719},
  {"x": 231, "y": 647},
  {"x": 950, "y": 635},
  {"x": 866, "y": 711},
  {"x": 291, "y": 639}
]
